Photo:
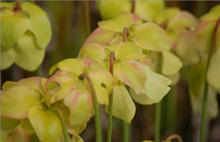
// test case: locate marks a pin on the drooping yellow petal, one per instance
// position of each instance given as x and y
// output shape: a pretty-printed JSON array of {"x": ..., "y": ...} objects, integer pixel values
[
  {"x": 186, "y": 48},
  {"x": 41, "y": 28},
  {"x": 101, "y": 36},
  {"x": 27, "y": 53},
  {"x": 132, "y": 74},
  {"x": 203, "y": 36},
  {"x": 108, "y": 9},
  {"x": 128, "y": 51},
  {"x": 156, "y": 88},
  {"x": 17, "y": 101},
  {"x": 171, "y": 63},
  {"x": 93, "y": 50},
  {"x": 148, "y": 10},
  {"x": 213, "y": 15},
  {"x": 119, "y": 22},
  {"x": 150, "y": 36},
  {"x": 12, "y": 28},
  {"x": 103, "y": 83},
  {"x": 124, "y": 107},
  {"x": 7, "y": 57},
  {"x": 18, "y": 135},
  {"x": 81, "y": 108},
  {"x": 46, "y": 124},
  {"x": 213, "y": 73}
]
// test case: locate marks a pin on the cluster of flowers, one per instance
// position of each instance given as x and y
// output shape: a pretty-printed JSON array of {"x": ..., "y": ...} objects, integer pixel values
[{"x": 136, "y": 47}]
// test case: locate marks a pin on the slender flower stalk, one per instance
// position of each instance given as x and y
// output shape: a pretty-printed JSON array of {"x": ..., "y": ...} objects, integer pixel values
[
  {"x": 206, "y": 88},
  {"x": 64, "y": 128},
  {"x": 17, "y": 6},
  {"x": 87, "y": 17},
  {"x": 125, "y": 34},
  {"x": 109, "y": 135},
  {"x": 96, "y": 106},
  {"x": 158, "y": 105},
  {"x": 133, "y": 6}
]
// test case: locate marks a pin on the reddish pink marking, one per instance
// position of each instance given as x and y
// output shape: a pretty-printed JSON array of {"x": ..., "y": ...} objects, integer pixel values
[{"x": 75, "y": 99}]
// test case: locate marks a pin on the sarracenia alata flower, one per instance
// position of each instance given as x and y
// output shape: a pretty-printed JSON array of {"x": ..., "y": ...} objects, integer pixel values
[
  {"x": 131, "y": 69},
  {"x": 75, "y": 93},
  {"x": 25, "y": 33},
  {"x": 23, "y": 112}
]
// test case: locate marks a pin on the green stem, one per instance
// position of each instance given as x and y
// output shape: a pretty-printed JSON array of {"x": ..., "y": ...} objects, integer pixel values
[
  {"x": 206, "y": 88},
  {"x": 157, "y": 122},
  {"x": 158, "y": 105},
  {"x": 87, "y": 17},
  {"x": 109, "y": 133},
  {"x": 39, "y": 72},
  {"x": 126, "y": 132},
  {"x": 96, "y": 106},
  {"x": 65, "y": 133}
]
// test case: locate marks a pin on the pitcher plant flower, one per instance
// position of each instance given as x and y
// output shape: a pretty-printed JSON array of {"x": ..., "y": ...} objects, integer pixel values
[{"x": 25, "y": 33}]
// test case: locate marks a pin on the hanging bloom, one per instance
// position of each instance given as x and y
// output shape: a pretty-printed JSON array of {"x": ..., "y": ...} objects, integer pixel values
[
  {"x": 74, "y": 93},
  {"x": 25, "y": 33},
  {"x": 24, "y": 115},
  {"x": 131, "y": 69},
  {"x": 204, "y": 35},
  {"x": 148, "y": 36}
]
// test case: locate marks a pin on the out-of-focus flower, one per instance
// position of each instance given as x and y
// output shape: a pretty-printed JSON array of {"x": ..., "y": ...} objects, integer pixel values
[{"x": 25, "y": 33}]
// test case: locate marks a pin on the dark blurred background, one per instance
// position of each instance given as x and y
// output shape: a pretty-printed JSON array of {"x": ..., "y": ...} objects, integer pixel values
[{"x": 72, "y": 22}]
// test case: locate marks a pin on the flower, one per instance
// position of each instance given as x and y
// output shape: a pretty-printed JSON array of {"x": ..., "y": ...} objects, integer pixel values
[
  {"x": 23, "y": 112},
  {"x": 25, "y": 33}
]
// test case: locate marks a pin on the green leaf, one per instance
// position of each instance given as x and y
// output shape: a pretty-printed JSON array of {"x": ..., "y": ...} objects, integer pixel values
[
  {"x": 17, "y": 101},
  {"x": 108, "y": 9},
  {"x": 119, "y": 22},
  {"x": 132, "y": 74},
  {"x": 46, "y": 124},
  {"x": 12, "y": 28},
  {"x": 150, "y": 36},
  {"x": 81, "y": 108},
  {"x": 128, "y": 51},
  {"x": 41, "y": 28},
  {"x": 103, "y": 83},
  {"x": 7, "y": 57},
  {"x": 124, "y": 107},
  {"x": 171, "y": 63},
  {"x": 148, "y": 10},
  {"x": 27, "y": 53},
  {"x": 156, "y": 88},
  {"x": 213, "y": 76},
  {"x": 18, "y": 135}
]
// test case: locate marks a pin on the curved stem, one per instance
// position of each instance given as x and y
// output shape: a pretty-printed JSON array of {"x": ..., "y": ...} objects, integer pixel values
[
  {"x": 133, "y": 6},
  {"x": 158, "y": 105},
  {"x": 109, "y": 133},
  {"x": 96, "y": 106},
  {"x": 206, "y": 88},
  {"x": 65, "y": 132},
  {"x": 17, "y": 6},
  {"x": 174, "y": 137}
]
